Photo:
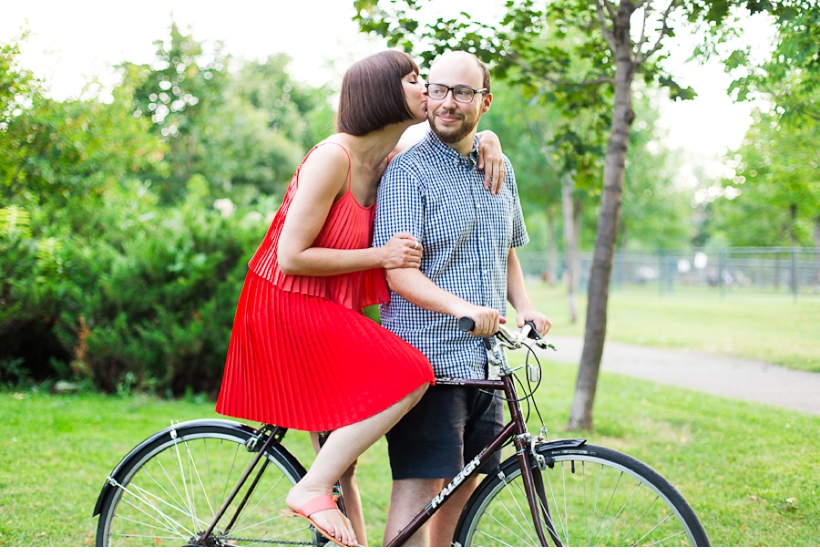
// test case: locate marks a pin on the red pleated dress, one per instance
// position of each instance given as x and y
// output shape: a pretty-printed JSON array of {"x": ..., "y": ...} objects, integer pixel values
[{"x": 302, "y": 355}]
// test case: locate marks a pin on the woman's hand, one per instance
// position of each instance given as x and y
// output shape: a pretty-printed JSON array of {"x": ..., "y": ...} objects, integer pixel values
[
  {"x": 401, "y": 251},
  {"x": 490, "y": 157}
]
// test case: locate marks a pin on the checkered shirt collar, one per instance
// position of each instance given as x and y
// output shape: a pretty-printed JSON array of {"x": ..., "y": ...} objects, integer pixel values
[{"x": 450, "y": 152}]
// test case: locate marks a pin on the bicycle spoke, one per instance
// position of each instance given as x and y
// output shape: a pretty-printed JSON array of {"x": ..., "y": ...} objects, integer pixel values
[
  {"x": 555, "y": 504},
  {"x": 144, "y": 536},
  {"x": 606, "y": 509},
  {"x": 180, "y": 508},
  {"x": 628, "y": 499},
  {"x": 513, "y": 519},
  {"x": 666, "y": 538},
  {"x": 168, "y": 521},
  {"x": 651, "y": 504},
  {"x": 199, "y": 479},
  {"x": 177, "y": 485},
  {"x": 594, "y": 495},
  {"x": 251, "y": 512},
  {"x": 184, "y": 482}
]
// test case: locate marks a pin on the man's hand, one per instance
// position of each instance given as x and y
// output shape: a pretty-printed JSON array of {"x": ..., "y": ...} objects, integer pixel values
[
  {"x": 542, "y": 323},
  {"x": 486, "y": 319}
]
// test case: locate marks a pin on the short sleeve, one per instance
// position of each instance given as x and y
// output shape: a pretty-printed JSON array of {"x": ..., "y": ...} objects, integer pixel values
[
  {"x": 399, "y": 203},
  {"x": 519, "y": 235}
]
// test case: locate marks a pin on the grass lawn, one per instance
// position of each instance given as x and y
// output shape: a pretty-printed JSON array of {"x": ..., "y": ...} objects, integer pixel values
[
  {"x": 750, "y": 471},
  {"x": 761, "y": 326}
]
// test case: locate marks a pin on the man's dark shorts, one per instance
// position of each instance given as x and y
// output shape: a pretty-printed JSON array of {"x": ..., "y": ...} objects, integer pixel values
[{"x": 450, "y": 425}]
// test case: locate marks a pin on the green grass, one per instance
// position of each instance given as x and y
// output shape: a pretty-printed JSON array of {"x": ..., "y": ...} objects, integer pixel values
[
  {"x": 750, "y": 471},
  {"x": 760, "y": 326}
]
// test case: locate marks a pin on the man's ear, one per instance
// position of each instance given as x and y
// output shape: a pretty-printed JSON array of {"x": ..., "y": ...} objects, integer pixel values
[{"x": 485, "y": 105}]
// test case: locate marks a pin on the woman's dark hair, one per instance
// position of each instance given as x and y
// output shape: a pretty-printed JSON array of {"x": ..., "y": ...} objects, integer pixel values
[{"x": 372, "y": 95}]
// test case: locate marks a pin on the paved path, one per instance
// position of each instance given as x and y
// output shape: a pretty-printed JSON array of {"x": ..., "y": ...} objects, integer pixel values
[{"x": 730, "y": 377}]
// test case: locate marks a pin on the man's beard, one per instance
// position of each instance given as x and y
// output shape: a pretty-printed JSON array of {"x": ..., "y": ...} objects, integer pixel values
[{"x": 453, "y": 135}]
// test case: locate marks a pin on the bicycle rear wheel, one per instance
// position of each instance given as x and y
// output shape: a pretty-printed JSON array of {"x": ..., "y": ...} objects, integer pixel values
[
  {"x": 589, "y": 496},
  {"x": 168, "y": 491}
]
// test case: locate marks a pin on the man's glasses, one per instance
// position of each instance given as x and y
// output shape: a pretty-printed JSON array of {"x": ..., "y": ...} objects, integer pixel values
[{"x": 465, "y": 95}]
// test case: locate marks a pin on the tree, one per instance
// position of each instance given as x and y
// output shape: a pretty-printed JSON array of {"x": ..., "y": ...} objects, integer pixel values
[
  {"x": 775, "y": 192},
  {"x": 656, "y": 213},
  {"x": 778, "y": 164},
  {"x": 612, "y": 52},
  {"x": 244, "y": 131}
]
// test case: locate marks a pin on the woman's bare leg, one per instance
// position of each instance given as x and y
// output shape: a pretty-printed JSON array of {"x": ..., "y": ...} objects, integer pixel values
[
  {"x": 353, "y": 500},
  {"x": 339, "y": 452}
]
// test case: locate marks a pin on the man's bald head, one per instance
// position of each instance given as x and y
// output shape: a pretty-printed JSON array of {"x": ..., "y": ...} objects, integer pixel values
[{"x": 459, "y": 58}]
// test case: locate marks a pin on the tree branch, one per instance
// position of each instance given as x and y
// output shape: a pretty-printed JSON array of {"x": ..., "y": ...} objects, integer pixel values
[
  {"x": 608, "y": 35},
  {"x": 598, "y": 81},
  {"x": 643, "y": 27},
  {"x": 664, "y": 30},
  {"x": 527, "y": 68},
  {"x": 613, "y": 13}
]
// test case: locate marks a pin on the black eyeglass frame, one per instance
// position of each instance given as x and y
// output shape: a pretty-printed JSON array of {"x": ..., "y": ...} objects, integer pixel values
[{"x": 475, "y": 92}]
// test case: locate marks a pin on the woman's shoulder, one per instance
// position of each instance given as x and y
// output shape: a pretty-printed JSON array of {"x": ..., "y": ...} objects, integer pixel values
[{"x": 328, "y": 155}]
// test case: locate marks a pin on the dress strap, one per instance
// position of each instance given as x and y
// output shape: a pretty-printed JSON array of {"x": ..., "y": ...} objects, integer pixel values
[{"x": 349, "y": 163}]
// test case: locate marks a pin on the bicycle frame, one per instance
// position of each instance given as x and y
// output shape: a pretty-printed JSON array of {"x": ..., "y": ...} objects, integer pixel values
[{"x": 515, "y": 428}]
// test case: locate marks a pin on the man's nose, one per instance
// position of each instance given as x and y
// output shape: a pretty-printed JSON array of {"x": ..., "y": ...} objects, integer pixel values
[{"x": 449, "y": 99}]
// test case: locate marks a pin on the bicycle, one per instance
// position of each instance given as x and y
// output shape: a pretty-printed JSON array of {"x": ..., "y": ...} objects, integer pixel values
[{"x": 180, "y": 484}]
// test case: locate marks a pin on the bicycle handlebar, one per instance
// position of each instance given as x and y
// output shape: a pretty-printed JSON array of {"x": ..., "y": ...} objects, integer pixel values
[{"x": 467, "y": 324}]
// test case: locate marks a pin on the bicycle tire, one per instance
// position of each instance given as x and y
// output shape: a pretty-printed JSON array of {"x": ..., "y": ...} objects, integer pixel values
[
  {"x": 169, "y": 489},
  {"x": 595, "y": 497}
]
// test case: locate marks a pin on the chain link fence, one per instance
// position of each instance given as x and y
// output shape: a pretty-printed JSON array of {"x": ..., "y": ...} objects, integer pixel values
[{"x": 775, "y": 269}]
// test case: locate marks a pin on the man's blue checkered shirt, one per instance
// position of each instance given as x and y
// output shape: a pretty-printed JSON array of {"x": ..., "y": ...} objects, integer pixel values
[{"x": 438, "y": 195}]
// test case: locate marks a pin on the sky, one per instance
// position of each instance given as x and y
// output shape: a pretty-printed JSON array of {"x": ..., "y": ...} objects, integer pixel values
[{"x": 73, "y": 41}]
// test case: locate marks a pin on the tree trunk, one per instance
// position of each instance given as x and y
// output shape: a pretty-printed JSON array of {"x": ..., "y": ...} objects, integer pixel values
[
  {"x": 817, "y": 254},
  {"x": 606, "y": 234},
  {"x": 570, "y": 239},
  {"x": 552, "y": 248}
]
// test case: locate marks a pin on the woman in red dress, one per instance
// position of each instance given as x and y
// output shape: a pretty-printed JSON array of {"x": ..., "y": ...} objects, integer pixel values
[{"x": 302, "y": 355}]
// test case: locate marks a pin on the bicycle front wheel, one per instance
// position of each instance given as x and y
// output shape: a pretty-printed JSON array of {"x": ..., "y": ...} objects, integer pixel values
[
  {"x": 169, "y": 490},
  {"x": 588, "y": 496}
]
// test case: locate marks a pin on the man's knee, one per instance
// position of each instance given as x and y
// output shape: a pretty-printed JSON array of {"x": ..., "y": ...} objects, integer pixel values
[{"x": 414, "y": 493}]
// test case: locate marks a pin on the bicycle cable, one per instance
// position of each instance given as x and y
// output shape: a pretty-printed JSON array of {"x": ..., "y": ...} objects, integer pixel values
[{"x": 530, "y": 391}]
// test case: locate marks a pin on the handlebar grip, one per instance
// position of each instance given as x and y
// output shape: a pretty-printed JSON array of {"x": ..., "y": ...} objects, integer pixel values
[
  {"x": 465, "y": 323},
  {"x": 533, "y": 333}
]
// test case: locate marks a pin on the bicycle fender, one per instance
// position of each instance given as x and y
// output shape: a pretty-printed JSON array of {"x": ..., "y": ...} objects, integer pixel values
[
  {"x": 559, "y": 444},
  {"x": 120, "y": 469}
]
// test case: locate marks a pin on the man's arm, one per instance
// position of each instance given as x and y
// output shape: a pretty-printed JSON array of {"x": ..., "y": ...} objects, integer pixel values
[
  {"x": 518, "y": 297},
  {"x": 418, "y": 289}
]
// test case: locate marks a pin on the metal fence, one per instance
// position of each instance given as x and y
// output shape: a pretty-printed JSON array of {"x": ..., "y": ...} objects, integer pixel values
[{"x": 784, "y": 269}]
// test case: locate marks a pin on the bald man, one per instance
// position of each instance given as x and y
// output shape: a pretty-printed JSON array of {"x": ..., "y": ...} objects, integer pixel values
[{"x": 469, "y": 268}]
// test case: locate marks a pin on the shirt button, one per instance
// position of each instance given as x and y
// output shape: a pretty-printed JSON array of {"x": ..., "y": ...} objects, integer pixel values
[
  {"x": 484, "y": 272},
  {"x": 481, "y": 239}
]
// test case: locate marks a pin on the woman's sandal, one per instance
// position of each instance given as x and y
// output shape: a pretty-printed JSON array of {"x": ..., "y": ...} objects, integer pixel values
[{"x": 321, "y": 503}]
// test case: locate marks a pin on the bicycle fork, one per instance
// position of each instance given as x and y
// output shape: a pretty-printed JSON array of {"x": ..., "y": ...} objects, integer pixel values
[{"x": 531, "y": 477}]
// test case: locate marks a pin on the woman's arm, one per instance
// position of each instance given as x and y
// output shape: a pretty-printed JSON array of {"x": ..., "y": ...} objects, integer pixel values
[
  {"x": 323, "y": 178},
  {"x": 489, "y": 154}
]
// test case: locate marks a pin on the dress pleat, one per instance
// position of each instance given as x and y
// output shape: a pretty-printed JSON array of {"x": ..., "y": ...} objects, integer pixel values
[{"x": 301, "y": 354}]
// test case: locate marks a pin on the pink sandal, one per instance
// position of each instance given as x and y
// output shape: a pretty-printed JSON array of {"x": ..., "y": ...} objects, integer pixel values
[{"x": 321, "y": 503}]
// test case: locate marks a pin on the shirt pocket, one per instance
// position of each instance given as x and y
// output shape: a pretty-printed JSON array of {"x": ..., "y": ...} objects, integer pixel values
[{"x": 502, "y": 217}]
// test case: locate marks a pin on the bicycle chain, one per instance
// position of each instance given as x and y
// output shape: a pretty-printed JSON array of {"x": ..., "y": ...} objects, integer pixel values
[{"x": 278, "y": 542}]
